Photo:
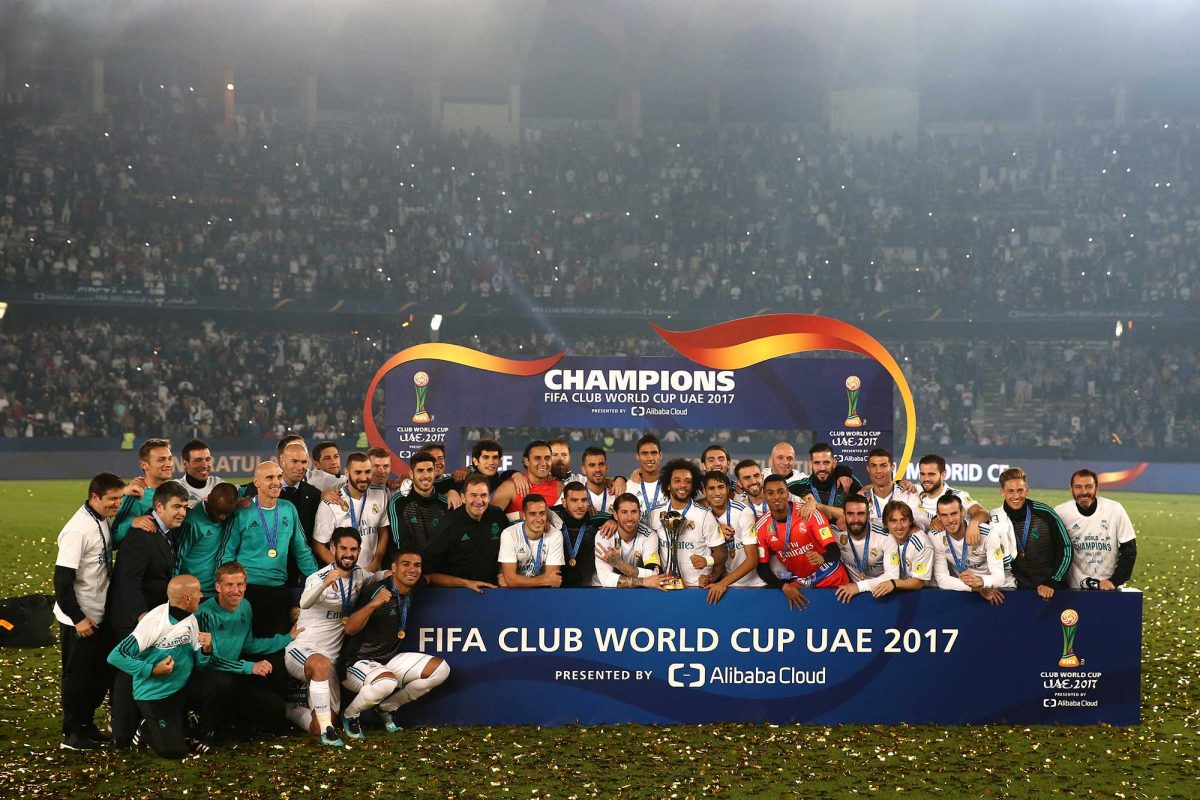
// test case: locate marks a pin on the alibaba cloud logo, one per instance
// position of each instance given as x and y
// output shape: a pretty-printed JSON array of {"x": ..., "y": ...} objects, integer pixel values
[
  {"x": 686, "y": 675},
  {"x": 637, "y": 411}
]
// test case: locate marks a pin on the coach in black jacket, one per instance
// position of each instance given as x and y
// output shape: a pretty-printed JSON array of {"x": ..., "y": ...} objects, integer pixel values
[{"x": 145, "y": 565}]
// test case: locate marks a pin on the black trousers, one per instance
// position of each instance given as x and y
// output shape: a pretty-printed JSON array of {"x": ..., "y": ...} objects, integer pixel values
[
  {"x": 272, "y": 607},
  {"x": 226, "y": 698},
  {"x": 86, "y": 675},
  {"x": 125, "y": 712},
  {"x": 166, "y": 724}
]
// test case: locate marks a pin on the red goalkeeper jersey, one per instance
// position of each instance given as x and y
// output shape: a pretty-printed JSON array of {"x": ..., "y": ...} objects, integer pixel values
[{"x": 792, "y": 546}]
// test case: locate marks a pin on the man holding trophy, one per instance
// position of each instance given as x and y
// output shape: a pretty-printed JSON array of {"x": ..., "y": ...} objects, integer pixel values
[{"x": 690, "y": 543}]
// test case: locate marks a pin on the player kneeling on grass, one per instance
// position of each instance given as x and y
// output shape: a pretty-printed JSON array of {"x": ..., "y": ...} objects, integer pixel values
[
  {"x": 375, "y": 661},
  {"x": 329, "y": 597},
  {"x": 161, "y": 654}
]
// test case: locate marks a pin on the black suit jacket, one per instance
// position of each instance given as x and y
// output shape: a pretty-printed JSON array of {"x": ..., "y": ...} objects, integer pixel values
[{"x": 145, "y": 565}]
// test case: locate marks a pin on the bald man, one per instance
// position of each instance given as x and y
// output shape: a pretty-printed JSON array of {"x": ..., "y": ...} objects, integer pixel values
[
  {"x": 293, "y": 458},
  {"x": 161, "y": 654},
  {"x": 262, "y": 538}
]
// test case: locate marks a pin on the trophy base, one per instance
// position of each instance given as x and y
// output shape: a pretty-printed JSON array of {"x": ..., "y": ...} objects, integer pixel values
[
  {"x": 1070, "y": 661},
  {"x": 672, "y": 585},
  {"x": 854, "y": 422},
  {"x": 421, "y": 417}
]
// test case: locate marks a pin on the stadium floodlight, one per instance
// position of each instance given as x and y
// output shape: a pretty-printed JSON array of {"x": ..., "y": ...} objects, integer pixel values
[
  {"x": 1120, "y": 329},
  {"x": 435, "y": 324},
  {"x": 229, "y": 87}
]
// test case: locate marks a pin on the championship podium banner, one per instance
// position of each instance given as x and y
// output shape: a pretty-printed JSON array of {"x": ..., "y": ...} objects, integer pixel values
[
  {"x": 590, "y": 656},
  {"x": 732, "y": 376}
]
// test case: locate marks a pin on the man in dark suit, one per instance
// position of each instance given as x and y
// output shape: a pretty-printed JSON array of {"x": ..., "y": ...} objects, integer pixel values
[
  {"x": 292, "y": 457},
  {"x": 145, "y": 565}
]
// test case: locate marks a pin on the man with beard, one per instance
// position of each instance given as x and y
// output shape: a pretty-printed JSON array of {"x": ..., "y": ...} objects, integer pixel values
[
  {"x": 326, "y": 470},
  {"x": 467, "y": 542},
  {"x": 375, "y": 663},
  {"x": 362, "y": 507},
  {"x": 600, "y": 488},
  {"x": 750, "y": 484},
  {"x": 932, "y": 474},
  {"x": 1035, "y": 534},
  {"x": 1102, "y": 536},
  {"x": 715, "y": 458},
  {"x": 700, "y": 548},
  {"x": 537, "y": 472},
  {"x": 959, "y": 567},
  {"x": 560, "y": 462},
  {"x": 862, "y": 549},
  {"x": 329, "y": 597},
  {"x": 629, "y": 560},
  {"x": 824, "y": 483},
  {"x": 579, "y": 532}
]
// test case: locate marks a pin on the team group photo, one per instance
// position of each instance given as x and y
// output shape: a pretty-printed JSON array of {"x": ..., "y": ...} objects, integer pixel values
[{"x": 352, "y": 354}]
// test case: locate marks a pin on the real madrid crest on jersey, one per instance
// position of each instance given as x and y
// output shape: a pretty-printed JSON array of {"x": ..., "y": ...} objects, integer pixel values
[{"x": 374, "y": 508}]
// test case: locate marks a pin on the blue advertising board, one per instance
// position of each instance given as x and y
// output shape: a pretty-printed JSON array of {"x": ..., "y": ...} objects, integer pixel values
[
  {"x": 589, "y": 656},
  {"x": 845, "y": 401}
]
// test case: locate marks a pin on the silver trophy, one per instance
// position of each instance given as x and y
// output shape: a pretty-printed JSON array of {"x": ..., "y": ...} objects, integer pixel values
[{"x": 673, "y": 523}]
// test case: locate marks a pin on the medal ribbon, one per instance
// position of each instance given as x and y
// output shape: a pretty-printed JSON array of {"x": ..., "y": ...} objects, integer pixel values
[
  {"x": 861, "y": 563},
  {"x": 875, "y": 500},
  {"x": 537, "y": 559},
  {"x": 272, "y": 534},
  {"x": 346, "y": 595},
  {"x": 401, "y": 608},
  {"x": 104, "y": 545},
  {"x": 646, "y": 497},
  {"x": 362, "y": 508},
  {"x": 1028, "y": 519},
  {"x": 959, "y": 563},
  {"x": 573, "y": 545},
  {"x": 904, "y": 557},
  {"x": 787, "y": 530}
]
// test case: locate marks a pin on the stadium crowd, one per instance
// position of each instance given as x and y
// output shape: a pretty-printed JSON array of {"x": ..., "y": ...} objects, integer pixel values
[
  {"x": 151, "y": 198},
  {"x": 110, "y": 378},
  {"x": 211, "y": 608}
]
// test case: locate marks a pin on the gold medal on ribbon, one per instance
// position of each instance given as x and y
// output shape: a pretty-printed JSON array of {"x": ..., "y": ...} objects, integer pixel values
[
  {"x": 571, "y": 562},
  {"x": 272, "y": 553},
  {"x": 399, "y": 634},
  {"x": 345, "y": 621}
]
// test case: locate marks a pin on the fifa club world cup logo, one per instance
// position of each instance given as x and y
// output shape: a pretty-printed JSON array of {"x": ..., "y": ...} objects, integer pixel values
[
  {"x": 1069, "y": 619},
  {"x": 853, "y": 385},
  {"x": 421, "y": 380}
]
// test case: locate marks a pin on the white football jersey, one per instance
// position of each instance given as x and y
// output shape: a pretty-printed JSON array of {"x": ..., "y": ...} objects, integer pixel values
[
  {"x": 641, "y": 551},
  {"x": 323, "y": 480},
  {"x": 322, "y": 621},
  {"x": 988, "y": 559},
  {"x": 601, "y": 502},
  {"x": 369, "y": 512},
  {"x": 911, "y": 559},
  {"x": 515, "y": 548},
  {"x": 698, "y": 536},
  {"x": 912, "y": 499},
  {"x": 650, "y": 496},
  {"x": 1095, "y": 540},
  {"x": 863, "y": 557},
  {"x": 741, "y": 519},
  {"x": 198, "y": 495},
  {"x": 928, "y": 502}
]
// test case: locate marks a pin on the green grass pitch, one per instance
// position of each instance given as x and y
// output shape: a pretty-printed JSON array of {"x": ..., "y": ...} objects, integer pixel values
[{"x": 1159, "y": 759}]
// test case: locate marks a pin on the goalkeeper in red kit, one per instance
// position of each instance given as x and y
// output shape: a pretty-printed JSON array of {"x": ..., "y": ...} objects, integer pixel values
[{"x": 806, "y": 548}]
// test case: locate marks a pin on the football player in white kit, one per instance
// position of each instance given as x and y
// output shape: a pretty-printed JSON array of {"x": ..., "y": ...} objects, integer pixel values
[
  {"x": 362, "y": 507},
  {"x": 958, "y": 566},
  {"x": 862, "y": 547},
  {"x": 1102, "y": 537},
  {"x": 735, "y": 522},
  {"x": 700, "y": 548},
  {"x": 197, "y": 479},
  {"x": 932, "y": 474},
  {"x": 329, "y": 597},
  {"x": 883, "y": 489},
  {"x": 644, "y": 481}
]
